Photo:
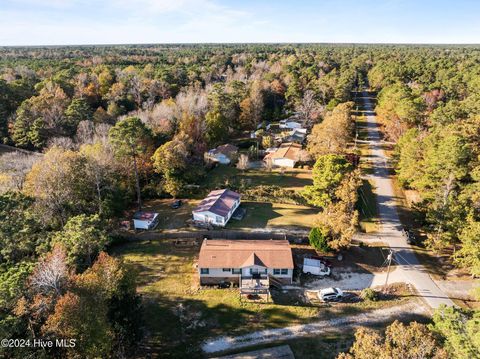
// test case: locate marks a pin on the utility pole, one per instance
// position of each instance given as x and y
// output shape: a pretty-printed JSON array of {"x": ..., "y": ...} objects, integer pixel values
[{"x": 389, "y": 259}]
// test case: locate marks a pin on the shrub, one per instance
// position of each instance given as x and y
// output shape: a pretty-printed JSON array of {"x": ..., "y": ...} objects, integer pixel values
[
  {"x": 369, "y": 294},
  {"x": 319, "y": 239}
]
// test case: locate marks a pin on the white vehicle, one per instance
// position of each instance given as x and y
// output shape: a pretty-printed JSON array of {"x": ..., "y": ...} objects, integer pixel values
[
  {"x": 330, "y": 294},
  {"x": 316, "y": 267}
]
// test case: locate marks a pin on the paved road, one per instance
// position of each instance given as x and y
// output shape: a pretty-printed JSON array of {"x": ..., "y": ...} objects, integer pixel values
[{"x": 391, "y": 228}]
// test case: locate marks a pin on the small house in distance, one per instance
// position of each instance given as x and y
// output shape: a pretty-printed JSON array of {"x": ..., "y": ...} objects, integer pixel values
[
  {"x": 223, "y": 154},
  {"x": 287, "y": 155},
  {"x": 145, "y": 220},
  {"x": 290, "y": 124},
  {"x": 248, "y": 263},
  {"x": 217, "y": 208}
]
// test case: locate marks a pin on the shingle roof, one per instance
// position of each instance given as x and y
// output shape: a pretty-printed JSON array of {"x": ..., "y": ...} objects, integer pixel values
[
  {"x": 219, "y": 202},
  {"x": 286, "y": 150},
  {"x": 227, "y": 149},
  {"x": 217, "y": 253},
  {"x": 145, "y": 216}
]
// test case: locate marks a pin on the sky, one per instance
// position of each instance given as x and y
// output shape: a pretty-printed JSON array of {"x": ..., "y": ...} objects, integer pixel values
[{"x": 72, "y": 22}]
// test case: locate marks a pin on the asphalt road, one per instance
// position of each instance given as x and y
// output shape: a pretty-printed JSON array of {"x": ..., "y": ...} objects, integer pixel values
[{"x": 391, "y": 228}]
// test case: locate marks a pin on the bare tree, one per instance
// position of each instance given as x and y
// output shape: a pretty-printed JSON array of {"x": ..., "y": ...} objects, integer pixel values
[
  {"x": 14, "y": 167},
  {"x": 85, "y": 132},
  {"x": 308, "y": 107},
  {"x": 243, "y": 162},
  {"x": 51, "y": 272},
  {"x": 62, "y": 142}
]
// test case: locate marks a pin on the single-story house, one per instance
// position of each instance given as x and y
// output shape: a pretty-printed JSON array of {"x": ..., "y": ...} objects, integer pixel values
[
  {"x": 290, "y": 124},
  {"x": 217, "y": 207},
  {"x": 297, "y": 135},
  {"x": 286, "y": 155},
  {"x": 238, "y": 261},
  {"x": 145, "y": 220},
  {"x": 223, "y": 154}
]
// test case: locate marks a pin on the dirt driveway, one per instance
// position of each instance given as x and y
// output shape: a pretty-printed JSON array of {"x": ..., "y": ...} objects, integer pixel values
[{"x": 378, "y": 316}]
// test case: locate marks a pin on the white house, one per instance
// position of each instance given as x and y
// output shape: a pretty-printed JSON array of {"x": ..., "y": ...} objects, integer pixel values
[
  {"x": 223, "y": 154},
  {"x": 239, "y": 261},
  {"x": 297, "y": 135},
  {"x": 290, "y": 124},
  {"x": 286, "y": 155},
  {"x": 145, "y": 220},
  {"x": 217, "y": 208}
]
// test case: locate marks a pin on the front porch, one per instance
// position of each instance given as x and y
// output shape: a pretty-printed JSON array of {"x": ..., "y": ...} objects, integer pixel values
[{"x": 255, "y": 287}]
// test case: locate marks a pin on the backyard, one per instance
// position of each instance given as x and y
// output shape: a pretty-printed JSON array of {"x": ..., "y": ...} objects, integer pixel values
[{"x": 228, "y": 176}]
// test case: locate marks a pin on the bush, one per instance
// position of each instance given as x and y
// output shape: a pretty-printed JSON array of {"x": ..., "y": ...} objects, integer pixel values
[
  {"x": 319, "y": 240},
  {"x": 369, "y": 294}
]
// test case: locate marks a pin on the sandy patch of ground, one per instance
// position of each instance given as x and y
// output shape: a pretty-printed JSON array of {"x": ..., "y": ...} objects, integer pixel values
[{"x": 269, "y": 335}]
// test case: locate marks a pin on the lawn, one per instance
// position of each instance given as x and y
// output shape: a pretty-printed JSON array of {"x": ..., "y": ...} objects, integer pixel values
[
  {"x": 224, "y": 176},
  {"x": 178, "y": 315},
  {"x": 275, "y": 215},
  {"x": 171, "y": 218}
]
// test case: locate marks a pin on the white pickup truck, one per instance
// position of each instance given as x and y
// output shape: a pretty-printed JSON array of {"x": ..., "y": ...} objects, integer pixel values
[{"x": 316, "y": 267}]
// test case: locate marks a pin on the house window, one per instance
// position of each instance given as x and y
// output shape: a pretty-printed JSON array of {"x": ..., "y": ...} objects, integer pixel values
[
  {"x": 204, "y": 271},
  {"x": 219, "y": 219},
  {"x": 284, "y": 271},
  {"x": 236, "y": 271},
  {"x": 226, "y": 269},
  {"x": 276, "y": 271}
]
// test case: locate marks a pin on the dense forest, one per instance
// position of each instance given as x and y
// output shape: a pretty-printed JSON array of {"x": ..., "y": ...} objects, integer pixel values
[{"x": 113, "y": 125}]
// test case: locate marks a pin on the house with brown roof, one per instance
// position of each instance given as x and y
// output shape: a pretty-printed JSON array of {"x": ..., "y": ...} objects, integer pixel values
[
  {"x": 245, "y": 262},
  {"x": 287, "y": 155},
  {"x": 217, "y": 208}
]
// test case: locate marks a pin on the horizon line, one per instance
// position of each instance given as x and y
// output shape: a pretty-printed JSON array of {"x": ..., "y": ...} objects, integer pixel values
[{"x": 243, "y": 43}]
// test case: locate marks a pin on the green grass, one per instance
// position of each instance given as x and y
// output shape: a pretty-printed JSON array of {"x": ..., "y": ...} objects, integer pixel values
[
  {"x": 368, "y": 208},
  {"x": 262, "y": 215},
  {"x": 223, "y": 176}
]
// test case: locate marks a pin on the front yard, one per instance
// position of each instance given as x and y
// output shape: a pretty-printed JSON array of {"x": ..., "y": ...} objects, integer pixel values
[{"x": 179, "y": 315}]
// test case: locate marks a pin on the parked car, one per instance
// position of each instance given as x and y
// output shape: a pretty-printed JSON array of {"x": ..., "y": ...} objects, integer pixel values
[
  {"x": 176, "y": 204},
  {"x": 323, "y": 260},
  {"x": 330, "y": 294},
  {"x": 409, "y": 236},
  {"x": 316, "y": 267}
]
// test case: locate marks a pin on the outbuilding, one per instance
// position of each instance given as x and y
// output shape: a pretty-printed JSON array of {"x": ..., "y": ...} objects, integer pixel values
[{"x": 145, "y": 220}]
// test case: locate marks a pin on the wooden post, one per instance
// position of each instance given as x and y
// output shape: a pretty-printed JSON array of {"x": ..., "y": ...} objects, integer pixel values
[{"x": 389, "y": 257}]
